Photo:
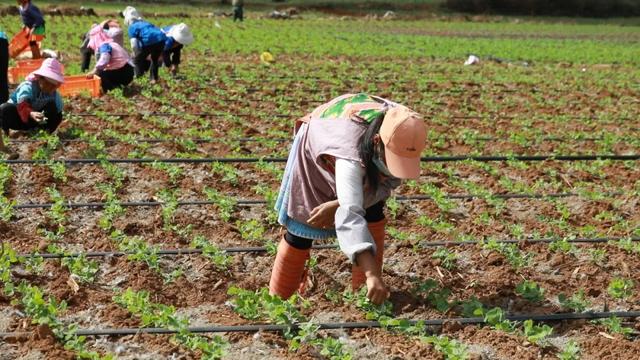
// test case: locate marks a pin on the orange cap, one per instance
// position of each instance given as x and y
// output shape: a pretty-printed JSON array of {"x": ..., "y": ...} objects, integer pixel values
[{"x": 404, "y": 136}]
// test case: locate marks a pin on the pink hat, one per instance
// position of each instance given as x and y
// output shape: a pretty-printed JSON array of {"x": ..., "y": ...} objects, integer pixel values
[
  {"x": 404, "y": 136},
  {"x": 97, "y": 37},
  {"x": 51, "y": 69}
]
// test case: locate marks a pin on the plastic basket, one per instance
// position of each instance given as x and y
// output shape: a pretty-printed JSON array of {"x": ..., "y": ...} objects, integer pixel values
[
  {"x": 22, "y": 69},
  {"x": 30, "y": 63},
  {"x": 79, "y": 84},
  {"x": 19, "y": 42}
]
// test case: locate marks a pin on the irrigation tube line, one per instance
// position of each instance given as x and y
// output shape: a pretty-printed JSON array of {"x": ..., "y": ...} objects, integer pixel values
[
  {"x": 262, "y": 249},
  {"x": 135, "y": 204},
  {"x": 249, "y": 202},
  {"x": 339, "y": 325},
  {"x": 173, "y": 140},
  {"x": 263, "y": 139},
  {"x": 459, "y": 84},
  {"x": 453, "y": 158},
  {"x": 221, "y": 114}
]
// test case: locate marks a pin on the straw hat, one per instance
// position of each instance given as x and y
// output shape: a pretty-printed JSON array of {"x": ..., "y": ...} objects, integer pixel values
[
  {"x": 51, "y": 69},
  {"x": 404, "y": 136},
  {"x": 181, "y": 33}
]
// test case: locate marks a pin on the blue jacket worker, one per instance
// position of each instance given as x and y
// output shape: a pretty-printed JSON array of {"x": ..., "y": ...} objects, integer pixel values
[
  {"x": 147, "y": 40},
  {"x": 177, "y": 37}
]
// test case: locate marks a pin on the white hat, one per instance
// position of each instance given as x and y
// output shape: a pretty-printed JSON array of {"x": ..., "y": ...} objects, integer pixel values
[
  {"x": 130, "y": 15},
  {"x": 181, "y": 33}
]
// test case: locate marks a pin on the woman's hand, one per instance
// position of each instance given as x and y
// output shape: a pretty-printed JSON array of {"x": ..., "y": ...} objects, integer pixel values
[
  {"x": 37, "y": 116},
  {"x": 377, "y": 292},
  {"x": 91, "y": 73},
  {"x": 323, "y": 215}
]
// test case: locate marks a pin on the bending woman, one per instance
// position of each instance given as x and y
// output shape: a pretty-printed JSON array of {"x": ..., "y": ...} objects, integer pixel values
[
  {"x": 114, "y": 65},
  {"x": 112, "y": 29},
  {"x": 146, "y": 41},
  {"x": 346, "y": 158},
  {"x": 177, "y": 37}
]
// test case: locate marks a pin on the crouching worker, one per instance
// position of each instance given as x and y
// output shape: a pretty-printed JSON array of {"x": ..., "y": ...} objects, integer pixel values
[
  {"x": 114, "y": 64},
  {"x": 146, "y": 41},
  {"x": 35, "y": 104},
  {"x": 177, "y": 37},
  {"x": 346, "y": 157}
]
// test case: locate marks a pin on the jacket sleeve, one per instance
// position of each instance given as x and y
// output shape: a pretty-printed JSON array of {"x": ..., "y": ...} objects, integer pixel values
[
  {"x": 105, "y": 56},
  {"x": 133, "y": 36},
  {"x": 168, "y": 43},
  {"x": 24, "y": 111},
  {"x": 24, "y": 94},
  {"x": 351, "y": 227}
]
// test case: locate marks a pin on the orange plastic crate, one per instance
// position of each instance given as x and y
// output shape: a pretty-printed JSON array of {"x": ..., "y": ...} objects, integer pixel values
[
  {"x": 22, "y": 69},
  {"x": 30, "y": 63},
  {"x": 79, "y": 84},
  {"x": 19, "y": 42}
]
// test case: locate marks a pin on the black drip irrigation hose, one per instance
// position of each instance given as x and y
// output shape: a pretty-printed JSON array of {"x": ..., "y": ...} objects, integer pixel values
[
  {"x": 453, "y": 158},
  {"x": 262, "y": 249},
  {"x": 263, "y": 139},
  {"x": 339, "y": 325},
  {"x": 456, "y": 84},
  {"x": 172, "y": 140},
  {"x": 135, "y": 204},
  {"x": 143, "y": 114},
  {"x": 222, "y": 114},
  {"x": 249, "y": 202},
  {"x": 530, "y": 158}
]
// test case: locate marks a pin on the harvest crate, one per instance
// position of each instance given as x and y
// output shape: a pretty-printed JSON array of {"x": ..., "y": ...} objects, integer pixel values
[
  {"x": 19, "y": 42},
  {"x": 22, "y": 69},
  {"x": 78, "y": 84}
]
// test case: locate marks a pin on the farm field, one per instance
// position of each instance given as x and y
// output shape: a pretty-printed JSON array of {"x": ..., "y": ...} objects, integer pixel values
[{"x": 526, "y": 208}]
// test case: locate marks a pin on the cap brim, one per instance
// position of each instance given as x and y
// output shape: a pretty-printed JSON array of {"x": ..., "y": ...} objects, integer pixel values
[{"x": 402, "y": 167}]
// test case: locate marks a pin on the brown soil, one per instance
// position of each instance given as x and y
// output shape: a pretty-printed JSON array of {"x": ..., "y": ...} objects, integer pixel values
[{"x": 201, "y": 292}]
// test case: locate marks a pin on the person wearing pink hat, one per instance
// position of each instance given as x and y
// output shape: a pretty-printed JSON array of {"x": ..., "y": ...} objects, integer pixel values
[
  {"x": 35, "y": 104},
  {"x": 347, "y": 156},
  {"x": 111, "y": 28},
  {"x": 114, "y": 66}
]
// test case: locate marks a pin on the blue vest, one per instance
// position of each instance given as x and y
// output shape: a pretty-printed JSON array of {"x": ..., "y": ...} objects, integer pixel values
[{"x": 146, "y": 33}]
